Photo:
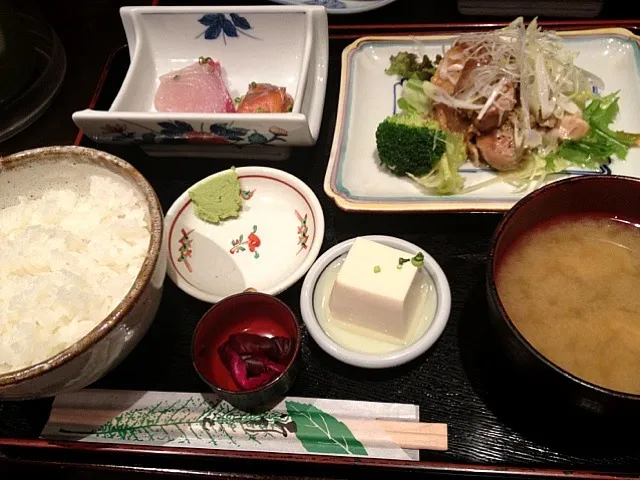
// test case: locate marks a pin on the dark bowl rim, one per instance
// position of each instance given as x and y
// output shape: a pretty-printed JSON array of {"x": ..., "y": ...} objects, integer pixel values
[
  {"x": 156, "y": 229},
  {"x": 294, "y": 356},
  {"x": 490, "y": 276}
]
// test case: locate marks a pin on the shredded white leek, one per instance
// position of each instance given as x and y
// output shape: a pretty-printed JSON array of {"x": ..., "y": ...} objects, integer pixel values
[{"x": 525, "y": 57}]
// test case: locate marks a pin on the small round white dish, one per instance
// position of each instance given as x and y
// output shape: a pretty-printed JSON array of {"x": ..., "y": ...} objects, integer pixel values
[
  {"x": 268, "y": 248},
  {"x": 375, "y": 361}
]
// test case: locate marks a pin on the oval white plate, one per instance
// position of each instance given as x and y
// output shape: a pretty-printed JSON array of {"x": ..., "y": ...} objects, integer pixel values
[
  {"x": 269, "y": 247},
  {"x": 340, "y": 6},
  {"x": 440, "y": 319}
]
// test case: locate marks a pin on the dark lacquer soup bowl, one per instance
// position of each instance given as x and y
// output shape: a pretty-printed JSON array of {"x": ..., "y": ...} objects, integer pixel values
[{"x": 614, "y": 198}]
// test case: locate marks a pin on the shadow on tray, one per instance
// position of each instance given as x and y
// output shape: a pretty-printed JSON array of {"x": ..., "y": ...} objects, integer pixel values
[{"x": 518, "y": 404}]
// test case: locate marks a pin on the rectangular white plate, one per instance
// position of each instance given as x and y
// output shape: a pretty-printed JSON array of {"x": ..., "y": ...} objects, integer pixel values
[{"x": 367, "y": 95}]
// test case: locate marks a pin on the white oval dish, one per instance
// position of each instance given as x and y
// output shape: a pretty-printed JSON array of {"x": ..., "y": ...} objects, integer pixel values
[
  {"x": 399, "y": 357},
  {"x": 341, "y": 6},
  {"x": 269, "y": 247}
]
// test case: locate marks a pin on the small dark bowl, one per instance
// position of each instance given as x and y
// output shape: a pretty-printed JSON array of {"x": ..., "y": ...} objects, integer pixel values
[
  {"x": 249, "y": 312},
  {"x": 610, "y": 195}
]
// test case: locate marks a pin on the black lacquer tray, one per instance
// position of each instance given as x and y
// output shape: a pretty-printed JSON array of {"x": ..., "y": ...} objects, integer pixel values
[{"x": 498, "y": 425}]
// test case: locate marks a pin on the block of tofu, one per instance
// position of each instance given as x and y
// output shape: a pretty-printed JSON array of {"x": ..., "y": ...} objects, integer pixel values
[{"x": 374, "y": 295}]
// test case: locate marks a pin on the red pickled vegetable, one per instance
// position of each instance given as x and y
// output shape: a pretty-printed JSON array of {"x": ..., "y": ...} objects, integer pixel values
[
  {"x": 258, "y": 365},
  {"x": 277, "y": 349},
  {"x": 238, "y": 369},
  {"x": 254, "y": 360}
]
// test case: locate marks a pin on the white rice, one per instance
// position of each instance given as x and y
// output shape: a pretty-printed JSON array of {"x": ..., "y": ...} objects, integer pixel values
[{"x": 66, "y": 260}]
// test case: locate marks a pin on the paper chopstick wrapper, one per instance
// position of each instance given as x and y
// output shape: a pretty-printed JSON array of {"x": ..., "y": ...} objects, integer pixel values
[{"x": 295, "y": 425}]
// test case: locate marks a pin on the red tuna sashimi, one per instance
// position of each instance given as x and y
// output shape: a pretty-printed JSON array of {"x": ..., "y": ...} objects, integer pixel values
[{"x": 198, "y": 88}]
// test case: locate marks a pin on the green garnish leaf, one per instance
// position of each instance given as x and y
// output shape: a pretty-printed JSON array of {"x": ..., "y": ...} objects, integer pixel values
[
  {"x": 601, "y": 141},
  {"x": 418, "y": 260},
  {"x": 402, "y": 261},
  {"x": 407, "y": 65},
  {"x": 376, "y": 269}
]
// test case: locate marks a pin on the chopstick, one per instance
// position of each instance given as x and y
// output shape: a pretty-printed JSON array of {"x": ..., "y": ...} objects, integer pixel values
[
  {"x": 406, "y": 434},
  {"x": 409, "y": 435}
]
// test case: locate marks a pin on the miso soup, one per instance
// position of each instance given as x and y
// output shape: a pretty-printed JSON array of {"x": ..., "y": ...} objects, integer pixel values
[{"x": 572, "y": 289}]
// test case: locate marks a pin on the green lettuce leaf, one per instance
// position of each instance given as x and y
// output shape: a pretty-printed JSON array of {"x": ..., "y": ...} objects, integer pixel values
[
  {"x": 445, "y": 178},
  {"x": 601, "y": 142},
  {"x": 413, "y": 99},
  {"x": 406, "y": 65}
]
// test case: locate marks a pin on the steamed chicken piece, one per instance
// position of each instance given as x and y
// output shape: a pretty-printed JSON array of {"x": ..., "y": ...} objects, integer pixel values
[
  {"x": 472, "y": 150},
  {"x": 489, "y": 138},
  {"x": 265, "y": 98},
  {"x": 450, "y": 119},
  {"x": 198, "y": 88},
  {"x": 450, "y": 68},
  {"x": 570, "y": 127},
  {"x": 498, "y": 148},
  {"x": 496, "y": 115}
]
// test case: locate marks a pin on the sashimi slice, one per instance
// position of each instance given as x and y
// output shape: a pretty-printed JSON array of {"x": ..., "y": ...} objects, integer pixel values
[
  {"x": 198, "y": 88},
  {"x": 265, "y": 98}
]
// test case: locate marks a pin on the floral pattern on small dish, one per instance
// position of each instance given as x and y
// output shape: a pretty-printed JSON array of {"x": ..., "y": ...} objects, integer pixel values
[
  {"x": 247, "y": 194},
  {"x": 218, "y": 24},
  {"x": 180, "y": 132},
  {"x": 252, "y": 243},
  {"x": 185, "y": 249},
  {"x": 303, "y": 232}
]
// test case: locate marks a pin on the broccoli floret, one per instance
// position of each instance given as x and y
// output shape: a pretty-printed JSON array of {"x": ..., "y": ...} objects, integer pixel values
[{"x": 409, "y": 144}]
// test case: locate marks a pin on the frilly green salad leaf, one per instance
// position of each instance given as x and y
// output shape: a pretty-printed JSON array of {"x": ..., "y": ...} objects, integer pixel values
[
  {"x": 601, "y": 142},
  {"x": 413, "y": 99},
  {"x": 591, "y": 151},
  {"x": 406, "y": 65}
]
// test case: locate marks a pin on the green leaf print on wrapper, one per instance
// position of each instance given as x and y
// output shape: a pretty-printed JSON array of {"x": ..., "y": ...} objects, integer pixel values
[
  {"x": 319, "y": 432},
  {"x": 195, "y": 419}
]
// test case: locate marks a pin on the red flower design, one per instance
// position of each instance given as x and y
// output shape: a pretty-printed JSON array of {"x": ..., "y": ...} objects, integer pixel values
[
  {"x": 254, "y": 242},
  {"x": 204, "y": 138}
]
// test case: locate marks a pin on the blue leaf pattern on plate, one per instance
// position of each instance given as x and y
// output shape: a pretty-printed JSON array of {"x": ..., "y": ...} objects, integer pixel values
[
  {"x": 327, "y": 3},
  {"x": 211, "y": 19},
  {"x": 240, "y": 22},
  {"x": 227, "y": 131},
  {"x": 229, "y": 28},
  {"x": 174, "y": 129},
  {"x": 178, "y": 132},
  {"x": 218, "y": 23}
]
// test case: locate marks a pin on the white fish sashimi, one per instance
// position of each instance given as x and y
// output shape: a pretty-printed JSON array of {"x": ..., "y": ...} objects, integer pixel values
[{"x": 198, "y": 88}]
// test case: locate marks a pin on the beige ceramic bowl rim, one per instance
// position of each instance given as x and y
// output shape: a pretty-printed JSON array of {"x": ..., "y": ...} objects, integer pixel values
[{"x": 126, "y": 170}]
